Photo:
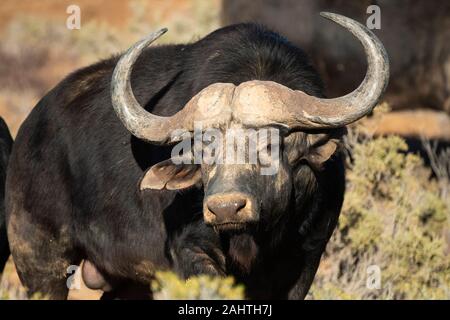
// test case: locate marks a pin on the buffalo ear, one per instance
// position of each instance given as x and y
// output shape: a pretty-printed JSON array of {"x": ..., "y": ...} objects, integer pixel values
[
  {"x": 320, "y": 154},
  {"x": 323, "y": 146},
  {"x": 170, "y": 176}
]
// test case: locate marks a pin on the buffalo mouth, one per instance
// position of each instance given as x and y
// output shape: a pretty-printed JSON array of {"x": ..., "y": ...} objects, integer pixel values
[{"x": 230, "y": 226}]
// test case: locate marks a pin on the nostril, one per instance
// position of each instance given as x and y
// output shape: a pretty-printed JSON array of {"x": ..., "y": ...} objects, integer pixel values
[
  {"x": 240, "y": 204},
  {"x": 212, "y": 206}
]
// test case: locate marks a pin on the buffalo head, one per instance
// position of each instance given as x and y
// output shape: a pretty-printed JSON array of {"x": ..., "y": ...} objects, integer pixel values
[{"x": 237, "y": 194}]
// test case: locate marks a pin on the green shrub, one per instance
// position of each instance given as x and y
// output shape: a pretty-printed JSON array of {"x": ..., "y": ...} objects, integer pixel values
[
  {"x": 395, "y": 217},
  {"x": 168, "y": 286}
]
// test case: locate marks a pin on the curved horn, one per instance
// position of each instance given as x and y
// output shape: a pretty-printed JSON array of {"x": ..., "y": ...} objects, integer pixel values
[
  {"x": 337, "y": 112},
  {"x": 139, "y": 122},
  {"x": 142, "y": 124},
  {"x": 209, "y": 105},
  {"x": 265, "y": 102},
  {"x": 361, "y": 101}
]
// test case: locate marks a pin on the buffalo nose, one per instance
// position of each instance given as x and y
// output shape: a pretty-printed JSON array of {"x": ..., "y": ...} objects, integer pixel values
[{"x": 226, "y": 207}]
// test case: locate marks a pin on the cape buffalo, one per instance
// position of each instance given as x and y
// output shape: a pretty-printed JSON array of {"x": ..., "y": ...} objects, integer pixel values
[{"x": 91, "y": 175}]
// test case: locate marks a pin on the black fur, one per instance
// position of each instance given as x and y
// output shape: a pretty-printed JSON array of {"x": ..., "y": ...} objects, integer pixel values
[
  {"x": 6, "y": 142},
  {"x": 72, "y": 187}
]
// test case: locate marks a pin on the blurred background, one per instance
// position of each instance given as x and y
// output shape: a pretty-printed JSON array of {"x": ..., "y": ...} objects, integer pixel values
[{"x": 397, "y": 212}]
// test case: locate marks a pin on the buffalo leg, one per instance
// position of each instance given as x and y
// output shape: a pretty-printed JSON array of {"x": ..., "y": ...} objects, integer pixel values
[{"x": 42, "y": 258}]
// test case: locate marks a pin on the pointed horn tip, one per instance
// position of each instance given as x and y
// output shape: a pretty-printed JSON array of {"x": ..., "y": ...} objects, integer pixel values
[
  {"x": 159, "y": 33},
  {"x": 337, "y": 18},
  {"x": 155, "y": 35},
  {"x": 328, "y": 15}
]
